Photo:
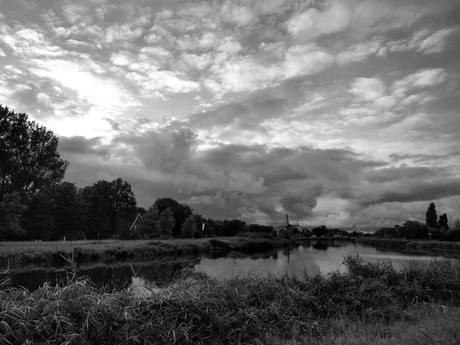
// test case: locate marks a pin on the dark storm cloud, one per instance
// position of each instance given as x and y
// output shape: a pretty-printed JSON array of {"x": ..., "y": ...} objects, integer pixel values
[
  {"x": 402, "y": 185},
  {"x": 79, "y": 145},
  {"x": 165, "y": 150},
  {"x": 239, "y": 181},
  {"x": 281, "y": 164},
  {"x": 301, "y": 202},
  {"x": 421, "y": 191}
]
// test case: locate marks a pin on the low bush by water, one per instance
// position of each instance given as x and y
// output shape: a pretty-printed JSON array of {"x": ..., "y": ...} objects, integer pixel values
[{"x": 196, "y": 309}]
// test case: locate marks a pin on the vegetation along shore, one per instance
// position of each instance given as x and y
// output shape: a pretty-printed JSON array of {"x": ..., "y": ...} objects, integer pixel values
[
  {"x": 446, "y": 249},
  {"x": 422, "y": 299},
  {"x": 19, "y": 254}
]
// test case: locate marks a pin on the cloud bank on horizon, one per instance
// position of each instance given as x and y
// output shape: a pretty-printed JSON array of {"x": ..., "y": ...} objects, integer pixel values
[{"x": 336, "y": 112}]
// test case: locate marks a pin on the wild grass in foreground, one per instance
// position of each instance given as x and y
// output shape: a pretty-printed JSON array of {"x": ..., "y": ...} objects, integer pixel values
[{"x": 196, "y": 309}]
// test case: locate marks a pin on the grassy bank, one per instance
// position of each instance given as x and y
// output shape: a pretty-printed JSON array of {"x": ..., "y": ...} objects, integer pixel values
[
  {"x": 19, "y": 254},
  {"x": 414, "y": 246},
  {"x": 196, "y": 309}
]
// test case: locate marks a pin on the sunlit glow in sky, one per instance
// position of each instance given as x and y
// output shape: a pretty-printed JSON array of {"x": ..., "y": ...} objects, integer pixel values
[{"x": 336, "y": 112}]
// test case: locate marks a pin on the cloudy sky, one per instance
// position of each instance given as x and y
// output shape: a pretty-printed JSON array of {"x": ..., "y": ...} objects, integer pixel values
[{"x": 336, "y": 112}]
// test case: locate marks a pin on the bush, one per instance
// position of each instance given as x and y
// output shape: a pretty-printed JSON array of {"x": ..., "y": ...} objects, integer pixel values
[{"x": 452, "y": 235}]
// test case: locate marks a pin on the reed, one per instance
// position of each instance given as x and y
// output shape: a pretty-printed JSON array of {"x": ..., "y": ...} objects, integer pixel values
[{"x": 196, "y": 309}]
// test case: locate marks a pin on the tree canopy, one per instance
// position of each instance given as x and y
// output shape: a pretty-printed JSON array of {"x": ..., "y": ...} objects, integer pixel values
[
  {"x": 29, "y": 159},
  {"x": 179, "y": 211},
  {"x": 431, "y": 216},
  {"x": 443, "y": 222},
  {"x": 110, "y": 206}
]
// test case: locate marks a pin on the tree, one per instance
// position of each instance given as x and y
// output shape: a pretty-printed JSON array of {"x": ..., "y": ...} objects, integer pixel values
[
  {"x": 233, "y": 227},
  {"x": 149, "y": 227},
  {"x": 180, "y": 212},
  {"x": 442, "y": 223},
  {"x": 109, "y": 206},
  {"x": 188, "y": 227},
  {"x": 431, "y": 216},
  {"x": 415, "y": 230},
  {"x": 122, "y": 205},
  {"x": 37, "y": 220},
  {"x": 166, "y": 222},
  {"x": 29, "y": 159},
  {"x": 320, "y": 231},
  {"x": 68, "y": 211},
  {"x": 11, "y": 210},
  {"x": 54, "y": 213}
]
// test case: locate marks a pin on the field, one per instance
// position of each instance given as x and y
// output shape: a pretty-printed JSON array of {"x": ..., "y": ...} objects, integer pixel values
[{"x": 372, "y": 304}]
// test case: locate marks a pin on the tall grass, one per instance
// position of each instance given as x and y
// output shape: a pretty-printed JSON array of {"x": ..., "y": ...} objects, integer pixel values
[{"x": 196, "y": 309}]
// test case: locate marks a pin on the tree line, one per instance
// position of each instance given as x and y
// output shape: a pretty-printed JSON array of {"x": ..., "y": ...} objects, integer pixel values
[{"x": 434, "y": 227}]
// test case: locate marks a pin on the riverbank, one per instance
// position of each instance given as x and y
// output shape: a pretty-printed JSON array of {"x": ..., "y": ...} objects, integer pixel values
[
  {"x": 242, "y": 310},
  {"x": 60, "y": 253},
  {"x": 448, "y": 249}
]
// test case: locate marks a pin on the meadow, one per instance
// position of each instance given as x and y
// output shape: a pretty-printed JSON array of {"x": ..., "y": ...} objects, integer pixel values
[{"x": 371, "y": 304}]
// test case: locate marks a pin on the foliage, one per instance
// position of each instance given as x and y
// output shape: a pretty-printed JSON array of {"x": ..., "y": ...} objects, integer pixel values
[
  {"x": 180, "y": 212},
  {"x": 29, "y": 159},
  {"x": 232, "y": 227},
  {"x": 67, "y": 212},
  {"x": 319, "y": 231},
  {"x": 213, "y": 227},
  {"x": 166, "y": 222},
  {"x": 443, "y": 222},
  {"x": 188, "y": 227},
  {"x": 149, "y": 227},
  {"x": 415, "y": 230},
  {"x": 259, "y": 228},
  {"x": 55, "y": 213},
  {"x": 110, "y": 207},
  {"x": 431, "y": 216},
  {"x": 11, "y": 210},
  {"x": 37, "y": 220},
  {"x": 452, "y": 235}
]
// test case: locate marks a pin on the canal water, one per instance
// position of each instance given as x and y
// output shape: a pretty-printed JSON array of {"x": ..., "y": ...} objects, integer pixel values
[{"x": 308, "y": 259}]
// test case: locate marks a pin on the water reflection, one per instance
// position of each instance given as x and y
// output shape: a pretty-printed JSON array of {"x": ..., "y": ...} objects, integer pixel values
[
  {"x": 113, "y": 277},
  {"x": 320, "y": 257}
]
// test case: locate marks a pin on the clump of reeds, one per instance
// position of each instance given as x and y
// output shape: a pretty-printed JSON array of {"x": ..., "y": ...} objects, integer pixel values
[{"x": 196, "y": 309}]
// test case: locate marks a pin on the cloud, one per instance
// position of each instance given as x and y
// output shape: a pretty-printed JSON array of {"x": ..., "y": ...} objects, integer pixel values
[
  {"x": 248, "y": 73},
  {"x": 404, "y": 184},
  {"x": 122, "y": 33},
  {"x": 235, "y": 14},
  {"x": 252, "y": 182},
  {"x": 420, "y": 79},
  {"x": 90, "y": 87},
  {"x": 367, "y": 89},
  {"x": 361, "y": 51},
  {"x": 238, "y": 116},
  {"x": 424, "y": 41},
  {"x": 313, "y": 23},
  {"x": 80, "y": 145},
  {"x": 305, "y": 60}
]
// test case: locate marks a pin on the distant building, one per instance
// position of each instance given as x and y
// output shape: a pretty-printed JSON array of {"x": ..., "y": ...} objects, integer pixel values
[{"x": 136, "y": 223}]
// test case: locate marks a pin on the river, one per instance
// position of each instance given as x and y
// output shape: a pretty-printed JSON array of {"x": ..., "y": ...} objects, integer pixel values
[{"x": 308, "y": 259}]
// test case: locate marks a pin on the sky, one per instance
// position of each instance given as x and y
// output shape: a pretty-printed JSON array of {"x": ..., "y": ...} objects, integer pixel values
[{"x": 342, "y": 113}]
